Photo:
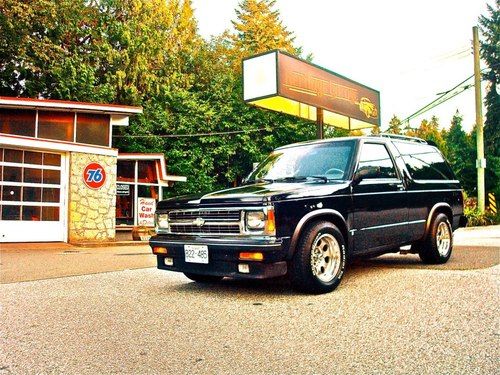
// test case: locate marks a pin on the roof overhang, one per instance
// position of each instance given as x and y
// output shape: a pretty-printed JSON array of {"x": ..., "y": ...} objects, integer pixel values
[
  {"x": 70, "y": 106},
  {"x": 162, "y": 172},
  {"x": 280, "y": 82}
]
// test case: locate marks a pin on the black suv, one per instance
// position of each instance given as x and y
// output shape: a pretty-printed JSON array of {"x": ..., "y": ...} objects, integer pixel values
[{"x": 311, "y": 206}]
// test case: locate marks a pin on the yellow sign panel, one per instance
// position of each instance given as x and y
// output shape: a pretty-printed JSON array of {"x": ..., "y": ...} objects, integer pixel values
[{"x": 284, "y": 83}]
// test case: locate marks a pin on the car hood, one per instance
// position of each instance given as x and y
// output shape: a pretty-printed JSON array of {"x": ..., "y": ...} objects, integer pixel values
[{"x": 257, "y": 194}]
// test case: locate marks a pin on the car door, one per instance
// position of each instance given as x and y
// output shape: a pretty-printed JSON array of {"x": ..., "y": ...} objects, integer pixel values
[{"x": 380, "y": 206}]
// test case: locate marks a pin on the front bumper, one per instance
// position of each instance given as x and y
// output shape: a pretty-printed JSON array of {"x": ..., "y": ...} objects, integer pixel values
[{"x": 224, "y": 256}]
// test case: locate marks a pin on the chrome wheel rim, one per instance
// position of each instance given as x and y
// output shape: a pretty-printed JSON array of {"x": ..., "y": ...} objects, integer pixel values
[
  {"x": 325, "y": 257},
  {"x": 443, "y": 239}
]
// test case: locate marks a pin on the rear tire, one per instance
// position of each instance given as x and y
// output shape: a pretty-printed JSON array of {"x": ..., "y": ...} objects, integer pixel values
[
  {"x": 203, "y": 278},
  {"x": 437, "y": 246},
  {"x": 319, "y": 261}
]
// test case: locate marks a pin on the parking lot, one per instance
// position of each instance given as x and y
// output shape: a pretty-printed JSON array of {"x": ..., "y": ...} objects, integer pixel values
[{"x": 389, "y": 315}]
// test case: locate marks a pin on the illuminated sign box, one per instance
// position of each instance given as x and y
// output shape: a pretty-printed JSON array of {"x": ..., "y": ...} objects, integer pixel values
[{"x": 283, "y": 83}]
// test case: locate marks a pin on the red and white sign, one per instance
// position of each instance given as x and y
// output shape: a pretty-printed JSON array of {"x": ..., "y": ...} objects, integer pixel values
[
  {"x": 94, "y": 175},
  {"x": 146, "y": 212}
]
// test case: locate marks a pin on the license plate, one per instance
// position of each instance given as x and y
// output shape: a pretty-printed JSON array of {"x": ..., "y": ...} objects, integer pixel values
[{"x": 196, "y": 254}]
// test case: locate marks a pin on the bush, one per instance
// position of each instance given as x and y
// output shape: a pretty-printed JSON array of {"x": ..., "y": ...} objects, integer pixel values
[{"x": 477, "y": 219}]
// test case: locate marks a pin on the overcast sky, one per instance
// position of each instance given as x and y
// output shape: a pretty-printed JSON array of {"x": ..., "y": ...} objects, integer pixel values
[{"x": 408, "y": 50}]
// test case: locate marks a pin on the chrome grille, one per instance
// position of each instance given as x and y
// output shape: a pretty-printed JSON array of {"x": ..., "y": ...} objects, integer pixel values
[{"x": 222, "y": 222}]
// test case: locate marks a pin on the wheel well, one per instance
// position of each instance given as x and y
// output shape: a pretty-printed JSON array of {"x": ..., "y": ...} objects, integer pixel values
[
  {"x": 442, "y": 209},
  {"x": 334, "y": 219}
]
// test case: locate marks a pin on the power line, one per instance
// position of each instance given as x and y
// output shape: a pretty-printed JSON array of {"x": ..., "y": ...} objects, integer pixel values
[
  {"x": 447, "y": 95},
  {"x": 192, "y": 135}
]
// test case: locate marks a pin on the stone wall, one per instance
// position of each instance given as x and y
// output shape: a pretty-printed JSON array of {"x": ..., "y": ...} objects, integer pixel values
[{"x": 91, "y": 211}]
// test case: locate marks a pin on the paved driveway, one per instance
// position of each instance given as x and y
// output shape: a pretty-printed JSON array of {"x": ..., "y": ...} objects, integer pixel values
[{"x": 390, "y": 315}]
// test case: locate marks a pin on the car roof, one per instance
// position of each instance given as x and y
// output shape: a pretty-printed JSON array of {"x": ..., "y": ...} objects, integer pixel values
[{"x": 380, "y": 138}]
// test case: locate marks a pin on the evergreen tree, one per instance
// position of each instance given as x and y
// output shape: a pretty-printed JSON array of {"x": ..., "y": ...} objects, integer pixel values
[
  {"x": 258, "y": 28},
  {"x": 460, "y": 152},
  {"x": 490, "y": 53},
  {"x": 394, "y": 125}
]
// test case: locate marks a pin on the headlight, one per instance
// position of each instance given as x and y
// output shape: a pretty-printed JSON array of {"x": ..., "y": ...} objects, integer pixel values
[
  {"x": 256, "y": 220},
  {"x": 162, "y": 222}
]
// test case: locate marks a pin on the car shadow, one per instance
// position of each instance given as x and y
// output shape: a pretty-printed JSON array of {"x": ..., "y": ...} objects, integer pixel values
[{"x": 463, "y": 258}]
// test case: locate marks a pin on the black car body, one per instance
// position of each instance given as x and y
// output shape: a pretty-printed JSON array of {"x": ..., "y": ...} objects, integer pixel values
[{"x": 311, "y": 206}]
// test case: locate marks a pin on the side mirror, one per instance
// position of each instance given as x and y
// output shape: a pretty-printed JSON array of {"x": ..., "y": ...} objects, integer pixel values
[{"x": 365, "y": 172}]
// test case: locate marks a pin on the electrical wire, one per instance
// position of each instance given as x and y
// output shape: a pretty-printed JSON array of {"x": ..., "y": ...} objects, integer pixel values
[{"x": 447, "y": 95}]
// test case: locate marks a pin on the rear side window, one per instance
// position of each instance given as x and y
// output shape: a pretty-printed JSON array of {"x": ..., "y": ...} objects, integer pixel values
[{"x": 424, "y": 162}]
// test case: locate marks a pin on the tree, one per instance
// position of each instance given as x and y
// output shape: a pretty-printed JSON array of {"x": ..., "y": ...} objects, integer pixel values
[
  {"x": 490, "y": 53},
  {"x": 394, "y": 125},
  {"x": 258, "y": 28},
  {"x": 460, "y": 152}
]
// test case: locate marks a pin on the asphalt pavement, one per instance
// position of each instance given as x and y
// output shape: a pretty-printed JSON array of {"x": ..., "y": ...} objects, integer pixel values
[{"x": 390, "y": 315}]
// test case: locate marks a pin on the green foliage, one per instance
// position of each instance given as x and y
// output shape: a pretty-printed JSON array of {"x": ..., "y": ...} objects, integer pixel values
[
  {"x": 394, "y": 125},
  {"x": 475, "y": 218}
]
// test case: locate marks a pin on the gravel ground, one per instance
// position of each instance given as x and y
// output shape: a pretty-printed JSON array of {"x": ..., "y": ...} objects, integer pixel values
[{"x": 381, "y": 320}]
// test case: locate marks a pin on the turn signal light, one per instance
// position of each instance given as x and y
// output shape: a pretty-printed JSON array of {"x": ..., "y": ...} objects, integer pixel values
[
  {"x": 160, "y": 250},
  {"x": 270, "y": 222},
  {"x": 252, "y": 256}
]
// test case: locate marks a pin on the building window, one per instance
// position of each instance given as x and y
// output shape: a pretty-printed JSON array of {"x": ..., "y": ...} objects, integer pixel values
[
  {"x": 17, "y": 122},
  {"x": 125, "y": 204},
  {"x": 135, "y": 179},
  {"x": 92, "y": 129},
  {"x": 56, "y": 125}
]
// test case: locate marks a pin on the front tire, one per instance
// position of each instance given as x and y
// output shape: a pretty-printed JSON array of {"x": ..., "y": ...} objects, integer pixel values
[
  {"x": 437, "y": 246},
  {"x": 206, "y": 279},
  {"x": 319, "y": 261}
]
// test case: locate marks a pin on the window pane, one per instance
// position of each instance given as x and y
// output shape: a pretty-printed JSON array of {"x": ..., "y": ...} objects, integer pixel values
[
  {"x": 1, "y": 154},
  {"x": 56, "y": 125},
  {"x": 11, "y": 212},
  {"x": 50, "y": 195},
  {"x": 32, "y": 175},
  {"x": 32, "y": 157},
  {"x": 32, "y": 194},
  {"x": 147, "y": 191},
  {"x": 11, "y": 193},
  {"x": 13, "y": 174},
  {"x": 424, "y": 162},
  {"x": 51, "y": 177},
  {"x": 126, "y": 170},
  {"x": 13, "y": 156},
  {"x": 147, "y": 172},
  {"x": 92, "y": 129},
  {"x": 52, "y": 159},
  {"x": 377, "y": 157},
  {"x": 18, "y": 122},
  {"x": 50, "y": 213},
  {"x": 31, "y": 213},
  {"x": 125, "y": 207}
]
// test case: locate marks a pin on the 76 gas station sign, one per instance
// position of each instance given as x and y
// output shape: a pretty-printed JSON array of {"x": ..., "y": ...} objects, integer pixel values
[{"x": 94, "y": 175}]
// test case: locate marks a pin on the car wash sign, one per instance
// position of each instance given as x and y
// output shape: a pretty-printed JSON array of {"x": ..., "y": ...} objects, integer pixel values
[
  {"x": 94, "y": 176},
  {"x": 146, "y": 212},
  {"x": 283, "y": 83}
]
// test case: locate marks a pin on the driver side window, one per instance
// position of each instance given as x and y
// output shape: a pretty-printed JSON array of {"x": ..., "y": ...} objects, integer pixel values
[{"x": 375, "y": 156}]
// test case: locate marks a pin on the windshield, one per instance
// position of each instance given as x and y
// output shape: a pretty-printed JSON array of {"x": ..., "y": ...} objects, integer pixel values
[{"x": 326, "y": 161}]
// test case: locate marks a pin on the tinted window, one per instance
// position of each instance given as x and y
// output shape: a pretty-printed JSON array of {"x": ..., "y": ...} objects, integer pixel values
[
  {"x": 17, "y": 121},
  {"x": 424, "y": 162},
  {"x": 375, "y": 156}
]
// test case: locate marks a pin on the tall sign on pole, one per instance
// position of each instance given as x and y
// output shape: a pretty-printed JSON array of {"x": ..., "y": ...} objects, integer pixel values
[
  {"x": 481, "y": 161},
  {"x": 280, "y": 82}
]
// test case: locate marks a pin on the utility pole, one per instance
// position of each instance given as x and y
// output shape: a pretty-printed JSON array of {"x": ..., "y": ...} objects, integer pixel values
[{"x": 481, "y": 161}]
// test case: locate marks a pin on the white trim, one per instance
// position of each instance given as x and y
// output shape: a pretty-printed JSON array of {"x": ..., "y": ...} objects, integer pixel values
[
  {"x": 49, "y": 145},
  {"x": 68, "y": 106}
]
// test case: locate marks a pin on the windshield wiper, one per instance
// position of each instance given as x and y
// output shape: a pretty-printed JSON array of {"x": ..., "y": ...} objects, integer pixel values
[
  {"x": 290, "y": 178},
  {"x": 322, "y": 178}
]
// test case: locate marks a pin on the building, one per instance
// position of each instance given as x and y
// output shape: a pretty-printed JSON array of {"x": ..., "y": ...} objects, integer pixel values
[{"x": 58, "y": 171}]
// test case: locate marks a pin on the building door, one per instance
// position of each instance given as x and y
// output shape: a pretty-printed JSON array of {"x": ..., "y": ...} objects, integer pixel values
[{"x": 32, "y": 196}]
